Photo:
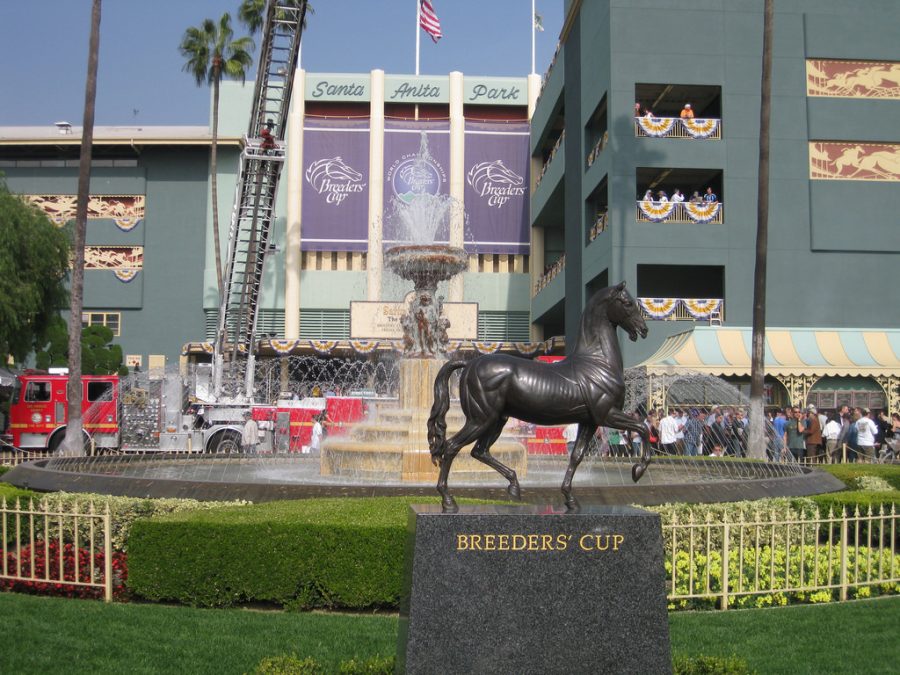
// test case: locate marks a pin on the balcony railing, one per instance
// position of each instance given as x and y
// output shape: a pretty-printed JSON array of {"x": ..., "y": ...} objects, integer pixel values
[
  {"x": 683, "y": 309},
  {"x": 549, "y": 274},
  {"x": 600, "y": 223},
  {"x": 599, "y": 147},
  {"x": 549, "y": 160},
  {"x": 679, "y": 212},
  {"x": 675, "y": 127}
]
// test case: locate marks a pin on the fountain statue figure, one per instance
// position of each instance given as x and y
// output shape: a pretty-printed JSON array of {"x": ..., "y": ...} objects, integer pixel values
[{"x": 417, "y": 218}]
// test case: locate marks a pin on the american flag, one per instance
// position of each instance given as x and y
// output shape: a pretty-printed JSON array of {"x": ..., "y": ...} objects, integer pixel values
[{"x": 428, "y": 20}]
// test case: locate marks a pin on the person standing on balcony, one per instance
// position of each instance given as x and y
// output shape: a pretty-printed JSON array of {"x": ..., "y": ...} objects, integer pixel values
[
  {"x": 677, "y": 196},
  {"x": 696, "y": 198},
  {"x": 710, "y": 196},
  {"x": 686, "y": 112},
  {"x": 661, "y": 197},
  {"x": 637, "y": 109},
  {"x": 648, "y": 196}
]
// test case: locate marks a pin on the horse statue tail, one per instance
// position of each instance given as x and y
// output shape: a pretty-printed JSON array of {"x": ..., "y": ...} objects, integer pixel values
[{"x": 437, "y": 422}]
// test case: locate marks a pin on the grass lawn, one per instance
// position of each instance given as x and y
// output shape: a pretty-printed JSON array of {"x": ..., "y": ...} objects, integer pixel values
[{"x": 82, "y": 636}]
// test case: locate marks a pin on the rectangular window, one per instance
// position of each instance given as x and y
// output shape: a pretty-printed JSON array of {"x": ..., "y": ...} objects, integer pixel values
[
  {"x": 111, "y": 320},
  {"x": 37, "y": 392},
  {"x": 99, "y": 391}
]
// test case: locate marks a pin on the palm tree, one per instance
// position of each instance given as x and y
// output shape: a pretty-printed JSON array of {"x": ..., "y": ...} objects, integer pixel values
[
  {"x": 73, "y": 444},
  {"x": 252, "y": 13},
  {"x": 757, "y": 436},
  {"x": 212, "y": 54}
]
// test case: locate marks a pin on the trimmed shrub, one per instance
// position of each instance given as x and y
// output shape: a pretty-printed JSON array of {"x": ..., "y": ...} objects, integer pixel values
[
  {"x": 329, "y": 553},
  {"x": 4, "y": 469},
  {"x": 683, "y": 664},
  {"x": 849, "y": 473}
]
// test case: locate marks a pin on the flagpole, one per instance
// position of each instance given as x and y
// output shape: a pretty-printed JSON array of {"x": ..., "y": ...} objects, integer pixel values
[
  {"x": 418, "y": 9},
  {"x": 532, "y": 35}
]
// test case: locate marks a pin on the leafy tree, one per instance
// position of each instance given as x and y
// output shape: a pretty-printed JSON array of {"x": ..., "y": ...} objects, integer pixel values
[
  {"x": 98, "y": 355},
  {"x": 212, "y": 53},
  {"x": 34, "y": 263}
]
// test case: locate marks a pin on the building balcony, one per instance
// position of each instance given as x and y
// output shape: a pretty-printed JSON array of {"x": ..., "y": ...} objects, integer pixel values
[
  {"x": 683, "y": 309},
  {"x": 674, "y": 127},
  {"x": 600, "y": 224},
  {"x": 550, "y": 273},
  {"x": 648, "y": 211},
  {"x": 549, "y": 160}
]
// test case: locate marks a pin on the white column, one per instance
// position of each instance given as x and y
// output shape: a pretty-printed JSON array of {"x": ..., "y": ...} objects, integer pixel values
[
  {"x": 534, "y": 90},
  {"x": 292, "y": 254},
  {"x": 457, "y": 175},
  {"x": 376, "y": 185}
]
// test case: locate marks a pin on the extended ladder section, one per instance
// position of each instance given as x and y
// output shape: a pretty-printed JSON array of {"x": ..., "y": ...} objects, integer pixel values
[{"x": 254, "y": 206}]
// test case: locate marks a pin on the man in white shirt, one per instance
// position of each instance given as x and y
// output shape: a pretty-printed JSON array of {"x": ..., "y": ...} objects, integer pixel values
[
  {"x": 570, "y": 434},
  {"x": 668, "y": 430},
  {"x": 865, "y": 439},
  {"x": 831, "y": 432}
]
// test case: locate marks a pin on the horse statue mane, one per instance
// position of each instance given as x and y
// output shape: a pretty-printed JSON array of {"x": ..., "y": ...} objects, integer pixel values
[{"x": 587, "y": 388}]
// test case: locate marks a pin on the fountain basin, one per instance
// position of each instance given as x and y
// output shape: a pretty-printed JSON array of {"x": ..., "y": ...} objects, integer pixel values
[{"x": 426, "y": 262}]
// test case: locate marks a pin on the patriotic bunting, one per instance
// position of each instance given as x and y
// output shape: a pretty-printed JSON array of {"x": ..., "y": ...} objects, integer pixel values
[
  {"x": 125, "y": 275},
  {"x": 656, "y": 211},
  {"x": 700, "y": 128},
  {"x": 702, "y": 213},
  {"x": 658, "y": 308},
  {"x": 364, "y": 346},
  {"x": 701, "y": 309},
  {"x": 656, "y": 126}
]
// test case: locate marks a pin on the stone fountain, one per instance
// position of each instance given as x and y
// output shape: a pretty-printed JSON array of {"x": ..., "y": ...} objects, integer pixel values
[{"x": 393, "y": 445}]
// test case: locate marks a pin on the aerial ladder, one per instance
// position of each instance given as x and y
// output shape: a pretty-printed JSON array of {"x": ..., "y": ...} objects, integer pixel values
[{"x": 253, "y": 214}]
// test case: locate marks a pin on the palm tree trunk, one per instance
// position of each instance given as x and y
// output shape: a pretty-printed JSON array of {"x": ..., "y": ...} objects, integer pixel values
[
  {"x": 214, "y": 179},
  {"x": 757, "y": 440},
  {"x": 73, "y": 444}
]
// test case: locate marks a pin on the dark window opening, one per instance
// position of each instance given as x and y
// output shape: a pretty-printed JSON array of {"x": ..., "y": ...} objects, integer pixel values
[
  {"x": 668, "y": 100},
  {"x": 37, "y": 392},
  {"x": 680, "y": 281},
  {"x": 99, "y": 391},
  {"x": 688, "y": 181},
  {"x": 596, "y": 217}
]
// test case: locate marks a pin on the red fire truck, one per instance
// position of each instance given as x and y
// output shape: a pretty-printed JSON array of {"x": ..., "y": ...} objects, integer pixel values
[{"x": 38, "y": 411}]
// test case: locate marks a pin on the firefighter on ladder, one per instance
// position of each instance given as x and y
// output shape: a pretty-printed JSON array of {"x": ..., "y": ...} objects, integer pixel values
[{"x": 267, "y": 144}]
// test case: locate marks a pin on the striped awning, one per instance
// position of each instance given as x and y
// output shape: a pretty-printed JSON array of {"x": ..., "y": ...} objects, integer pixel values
[{"x": 721, "y": 350}]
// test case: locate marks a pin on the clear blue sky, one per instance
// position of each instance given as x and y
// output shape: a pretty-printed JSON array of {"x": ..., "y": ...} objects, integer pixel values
[{"x": 141, "y": 79}]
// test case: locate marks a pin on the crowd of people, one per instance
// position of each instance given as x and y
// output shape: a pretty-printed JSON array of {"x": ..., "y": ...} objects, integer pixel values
[
  {"x": 857, "y": 435},
  {"x": 661, "y": 197}
]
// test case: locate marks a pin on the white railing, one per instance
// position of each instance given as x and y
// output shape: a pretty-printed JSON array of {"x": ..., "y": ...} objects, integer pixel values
[
  {"x": 599, "y": 147},
  {"x": 648, "y": 211},
  {"x": 16, "y": 457},
  {"x": 742, "y": 560},
  {"x": 682, "y": 309},
  {"x": 674, "y": 127},
  {"x": 44, "y": 543}
]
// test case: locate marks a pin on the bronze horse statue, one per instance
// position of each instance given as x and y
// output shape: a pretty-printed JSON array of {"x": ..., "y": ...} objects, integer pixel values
[{"x": 587, "y": 388}]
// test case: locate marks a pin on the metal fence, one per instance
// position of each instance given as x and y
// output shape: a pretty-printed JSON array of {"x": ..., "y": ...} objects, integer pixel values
[
  {"x": 45, "y": 543},
  {"x": 780, "y": 554}
]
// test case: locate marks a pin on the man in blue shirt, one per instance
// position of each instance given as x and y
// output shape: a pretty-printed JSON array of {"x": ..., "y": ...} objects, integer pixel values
[{"x": 710, "y": 196}]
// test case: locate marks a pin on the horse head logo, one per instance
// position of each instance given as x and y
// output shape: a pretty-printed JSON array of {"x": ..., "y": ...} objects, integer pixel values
[
  {"x": 484, "y": 174},
  {"x": 328, "y": 170}
]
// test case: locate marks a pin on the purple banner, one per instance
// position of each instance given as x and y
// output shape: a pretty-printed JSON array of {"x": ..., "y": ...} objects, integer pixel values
[
  {"x": 335, "y": 185},
  {"x": 404, "y": 177},
  {"x": 497, "y": 187}
]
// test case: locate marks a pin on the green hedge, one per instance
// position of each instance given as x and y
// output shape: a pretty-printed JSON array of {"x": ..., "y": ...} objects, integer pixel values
[
  {"x": 4, "y": 469},
  {"x": 331, "y": 553}
]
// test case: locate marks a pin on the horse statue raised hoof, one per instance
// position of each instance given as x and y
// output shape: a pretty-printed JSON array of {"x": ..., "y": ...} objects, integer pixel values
[{"x": 587, "y": 388}]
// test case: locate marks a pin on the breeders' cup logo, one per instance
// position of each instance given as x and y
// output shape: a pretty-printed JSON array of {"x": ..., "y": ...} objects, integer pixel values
[
  {"x": 412, "y": 175},
  {"x": 334, "y": 178},
  {"x": 495, "y": 181}
]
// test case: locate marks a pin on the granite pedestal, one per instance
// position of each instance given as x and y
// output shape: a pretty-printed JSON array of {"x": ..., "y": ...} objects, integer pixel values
[{"x": 509, "y": 589}]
